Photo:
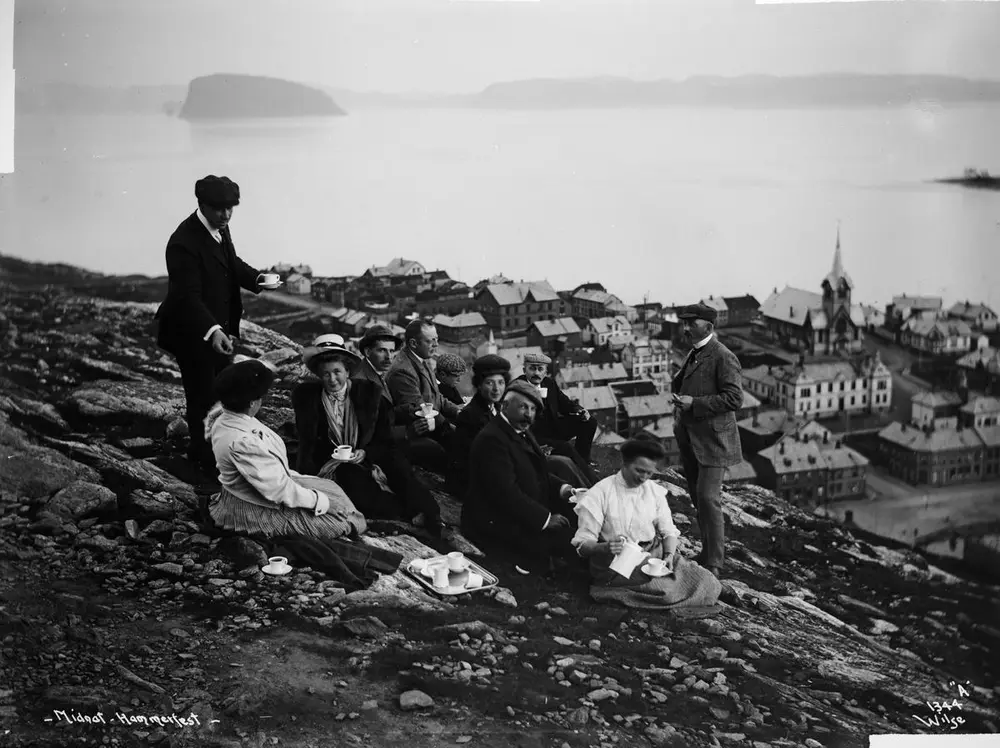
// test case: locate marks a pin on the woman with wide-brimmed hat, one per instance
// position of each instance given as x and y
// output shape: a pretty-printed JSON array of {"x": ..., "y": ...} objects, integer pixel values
[
  {"x": 261, "y": 495},
  {"x": 338, "y": 411}
]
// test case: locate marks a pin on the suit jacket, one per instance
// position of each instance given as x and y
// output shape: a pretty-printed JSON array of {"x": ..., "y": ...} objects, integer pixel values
[
  {"x": 315, "y": 447},
  {"x": 511, "y": 492},
  {"x": 450, "y": 392},
  {"x": 410, "y": 383},
  {"x": 366, "y": 372},
  {"x": 557, "y": 406},
  {"x": 204, "y": 282},
  {"x": 708, "y": 429},
  {"x": 473, "y": 419}
]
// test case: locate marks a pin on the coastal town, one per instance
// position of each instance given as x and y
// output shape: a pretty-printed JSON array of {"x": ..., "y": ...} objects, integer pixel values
[{"x": 868, "y": 414}]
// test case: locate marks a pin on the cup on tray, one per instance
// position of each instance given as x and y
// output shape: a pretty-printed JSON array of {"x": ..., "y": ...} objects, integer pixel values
[
  {"x": 457, "y": 561},
  {"x": 441, "y": 576}
]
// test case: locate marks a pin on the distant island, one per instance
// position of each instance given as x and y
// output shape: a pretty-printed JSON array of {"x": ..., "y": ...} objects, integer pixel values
[
  {"x": 253, "y": 96},
  {"x": 230, "y": 96},
  {"x": 976, "y": 178},
  {"x": 831, "y": 91}
]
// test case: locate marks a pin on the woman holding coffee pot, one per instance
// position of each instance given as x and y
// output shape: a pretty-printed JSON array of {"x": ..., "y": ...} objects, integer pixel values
[
  {"x": 345, "y": 434},
  {"x": 625, "y": 519},
  {"x": 261, "y": 495}
]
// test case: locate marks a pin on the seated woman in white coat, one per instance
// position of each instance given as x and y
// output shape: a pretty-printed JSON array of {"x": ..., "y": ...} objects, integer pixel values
[
  {"x": 628, "y": 506},
  {"x": 261, "y": 495}
]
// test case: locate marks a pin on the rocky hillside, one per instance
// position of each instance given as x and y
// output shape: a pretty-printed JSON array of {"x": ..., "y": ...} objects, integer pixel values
[{"x": 116, "y": 601}]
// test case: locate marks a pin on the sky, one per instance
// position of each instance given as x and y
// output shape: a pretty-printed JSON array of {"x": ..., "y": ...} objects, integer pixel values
[{"x": 451, "y": 46}]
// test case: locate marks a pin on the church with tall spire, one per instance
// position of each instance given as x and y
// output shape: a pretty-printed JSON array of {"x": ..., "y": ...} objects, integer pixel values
[{"x": 818, "y": 324}]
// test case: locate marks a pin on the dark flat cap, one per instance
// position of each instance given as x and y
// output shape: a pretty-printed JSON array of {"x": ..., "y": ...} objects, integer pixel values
[
  {"x": 250, "y": 379},
  {"x": 375, "y": 333},
  {"x": 490, "y": 364},
  {"x": 699, "y": 311},
  {"x": 218, "y": 192},
  {"x": 531, "y": 392},
  {"x": 449, "y": 363}
]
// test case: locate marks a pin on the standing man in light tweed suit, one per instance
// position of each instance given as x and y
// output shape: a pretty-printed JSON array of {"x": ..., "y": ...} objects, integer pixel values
[{"x": 708, "y": 390}]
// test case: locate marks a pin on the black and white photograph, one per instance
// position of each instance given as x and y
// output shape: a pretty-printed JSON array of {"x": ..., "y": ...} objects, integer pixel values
[{"x": 528, "y": 373}]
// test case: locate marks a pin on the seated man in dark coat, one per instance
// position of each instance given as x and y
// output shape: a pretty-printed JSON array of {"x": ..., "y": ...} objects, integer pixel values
[
  {"x": 560, "y": 419},
  {"x": 490, "y": 377},
  {"x": 514, "y": 504},
  {"x": 338, "y": 410}
]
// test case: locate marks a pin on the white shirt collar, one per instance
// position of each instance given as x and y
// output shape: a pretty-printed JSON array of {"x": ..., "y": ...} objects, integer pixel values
[
  {"x": 216, "y": 234},
  {"x": 703, "y": 343}
]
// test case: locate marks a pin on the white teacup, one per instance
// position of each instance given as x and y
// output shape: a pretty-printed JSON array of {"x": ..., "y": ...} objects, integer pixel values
[
  {"x": 278, "y": 564},
  {"x": 269, "y": 279},
  {"x": 656, "y": 565},
  {"x": 474, "y": 581},
  {"x": 426, "y": 408},
  {"x": 457, "y": 561},
  {"x": 441, "y": 576},
  {"x": 343, "y": 452},
  {"x": 543, "y": 392}
]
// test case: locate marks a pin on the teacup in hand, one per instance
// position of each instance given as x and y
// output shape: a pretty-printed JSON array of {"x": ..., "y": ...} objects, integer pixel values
[
  {"x": 657, "y": 565},
  {"x": 343, "y": 452},
  {"x": 426, "y": 409},
  {"x": 269, "y": 279}
]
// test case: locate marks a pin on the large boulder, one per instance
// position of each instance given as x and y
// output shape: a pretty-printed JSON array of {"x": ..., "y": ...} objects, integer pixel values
[
  {"x": 34, "y": 471},
  {"x": 80, "y": 499},
  {"x": 140, "y": 408}
]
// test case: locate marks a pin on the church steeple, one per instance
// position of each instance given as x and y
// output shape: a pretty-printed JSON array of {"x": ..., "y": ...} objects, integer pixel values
[
  {"x": 838, "y": 280},
  {"x": 838, "y": 263}
]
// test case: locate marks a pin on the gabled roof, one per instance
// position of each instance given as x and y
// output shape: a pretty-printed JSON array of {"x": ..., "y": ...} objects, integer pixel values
[
  {"x": 468, "y": 319},
  {"x": 553, "y": 328},
  {"x": 607, "y": 438},
  {"x": 592, "y": 373},
  {"x": 917, "y": 302},
  {"x": 634, "y": 387},
  {"x": 596, "y": 398},
  {"x": 295, "y": 278},
  {"x": 716, "y": 302},
  {"x": 644, "y": 406},
  {"x": 602, "y": 325},
  {"x": 965, "y": 310},
  {"x": 353, "y": 318},
  {"x": 790, "y": 456},
  {"x": 663, "y": 428},
  {"x": 938, "y": 399},
  {"x": 742, "y": 470},
  {"x": 507, "y": 294},
  {"x": 791, "y": 305},
  {"x": 938, "y": 328},
  {"x": 982, "y": 405},
  {"x": 598, "y": 297},
  {"x": 749, "y": 401},
  {"x": 651, "y": 347},
  {"x": 988, "y": 357},
  {"x": 745, "y": 303},
  {"x": 771, "y": 422},
  {"x": 937, "y": 440}
]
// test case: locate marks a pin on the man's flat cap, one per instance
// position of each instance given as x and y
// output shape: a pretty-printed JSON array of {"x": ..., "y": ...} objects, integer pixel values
[
  {"x": 537, "y": 358},
  {"x": 699, "y": 311},
  {"x": 218, "y": 192},
  {"x": 531, "y": 392}
]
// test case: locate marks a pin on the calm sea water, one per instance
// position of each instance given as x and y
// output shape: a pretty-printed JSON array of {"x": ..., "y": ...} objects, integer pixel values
[{"x": 674, "y": 203}]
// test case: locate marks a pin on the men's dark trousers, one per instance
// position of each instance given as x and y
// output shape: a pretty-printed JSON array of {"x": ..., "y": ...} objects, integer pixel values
[
  {"x": 705, "y": 488},
  {"x": 198, "y": 372},
  {"x": 430, "y": 452},
  {"x": 416, "y": 497},
  {"x": 563, "y": 448}
]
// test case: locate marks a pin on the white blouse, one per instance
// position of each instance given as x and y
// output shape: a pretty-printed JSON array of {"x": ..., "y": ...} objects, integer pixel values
[
  {"x": 612, "y": 509},
  {"x": 253, "y": 463}
]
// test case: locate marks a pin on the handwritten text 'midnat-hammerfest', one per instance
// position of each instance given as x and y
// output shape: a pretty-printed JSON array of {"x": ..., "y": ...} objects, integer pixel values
[{"x": 139, "y": 720}]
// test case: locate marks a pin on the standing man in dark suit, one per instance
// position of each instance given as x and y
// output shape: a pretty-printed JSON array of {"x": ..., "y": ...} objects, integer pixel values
[
  {"x": 560, "y": 419},
  {"x": 707, "y": 392},
  {"x": 200, "y": 317},
  {"x": 513, "y": 502}
]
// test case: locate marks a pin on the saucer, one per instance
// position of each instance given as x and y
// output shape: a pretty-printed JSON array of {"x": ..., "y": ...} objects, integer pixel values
[
  {"x": 271, "y": 286},
  {"x": 432, "y": 414},
  {"x": 279, "y": 572},
  {"x": 646, "y": 569}
]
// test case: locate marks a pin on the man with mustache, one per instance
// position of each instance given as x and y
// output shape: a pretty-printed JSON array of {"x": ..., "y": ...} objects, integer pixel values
[
  {"x": 560, "y": 419},
  {"x": 514, "y": 503},
  {"x": 707, "y": 392},
  {"x": 199, "y": 320}
]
